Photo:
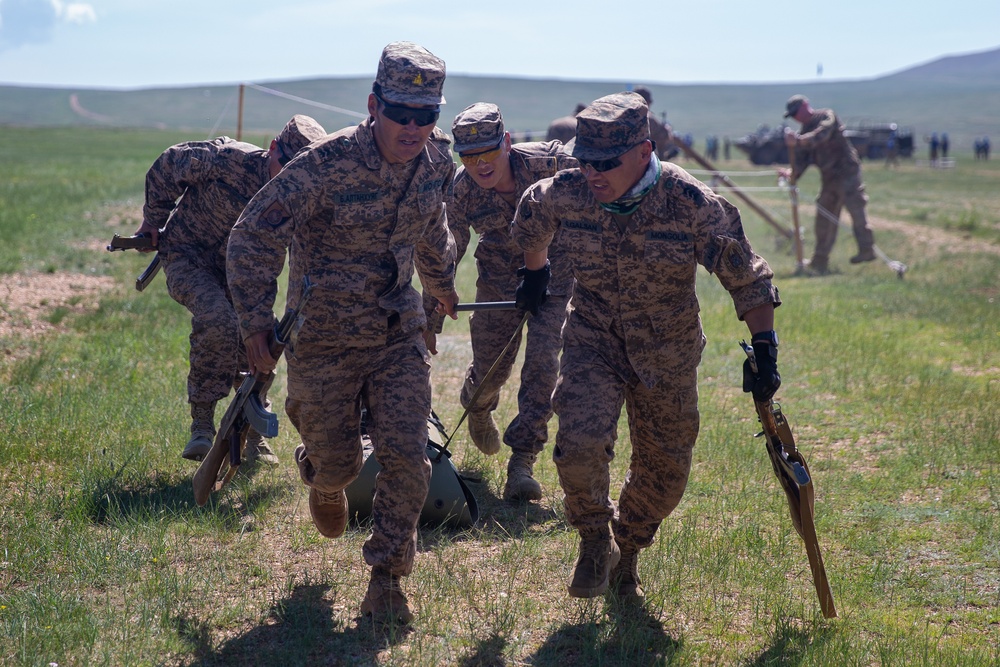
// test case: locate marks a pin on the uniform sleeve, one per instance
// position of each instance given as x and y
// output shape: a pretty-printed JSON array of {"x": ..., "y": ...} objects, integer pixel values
[
  {"x": 822, "y": 132},
  {"x": 534, "y": 225},
  {"x": 725, "y": 251},
  {"x": 176, "y": 169},
  {"x": 258, "y": 243},
  {"x": 436, "y": 252}
]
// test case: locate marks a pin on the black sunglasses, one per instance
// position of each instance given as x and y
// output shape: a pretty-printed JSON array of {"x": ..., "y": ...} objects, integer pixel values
[
  {"x": 601, "y": 165},
  {"x": 401, "y": 115}
]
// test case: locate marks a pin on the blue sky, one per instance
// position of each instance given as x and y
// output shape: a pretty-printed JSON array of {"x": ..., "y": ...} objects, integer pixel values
[{"x": 127, "y": 44}]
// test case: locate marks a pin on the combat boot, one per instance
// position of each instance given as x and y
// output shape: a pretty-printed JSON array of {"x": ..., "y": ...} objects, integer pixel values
[
  {"x": 625, "y": 580},
  {"x": 258, "y": 451},
  {"x": 328, "y": 510},
  {"x": 865, "y": 255},
  {"x": 521, "y": 486},
  {"x": 202, "y": 431},
  {"x": 817, "y": 266},
  {"x": 483, "y": 430},
  {"x": 599, "y": 554},
  {"x": 385, "y": 601}
]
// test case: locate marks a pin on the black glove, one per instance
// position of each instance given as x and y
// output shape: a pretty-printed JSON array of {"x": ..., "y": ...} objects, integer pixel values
[
  {"x": 534, "y": 288},
  {"x": 765, "y": 382}
]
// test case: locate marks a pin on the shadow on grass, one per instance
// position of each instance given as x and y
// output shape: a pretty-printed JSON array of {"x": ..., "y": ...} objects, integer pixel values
[
  {"x": 108, "y": 494},
  {"x": 486, "y": 653},
  {"x": 628, "y": 636},
  {"x": 790, "y": 645},
  {"x": 298, "y": 630}
]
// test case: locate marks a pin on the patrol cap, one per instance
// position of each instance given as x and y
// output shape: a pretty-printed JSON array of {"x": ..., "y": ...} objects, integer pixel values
[
  {"x": 609, "y": 127},
  {"x": 645, "y": 92},
  {"x": 479, "y": 125},
  {"x": 298, "y": 133},
  {"x": 409, "y": 74},
  {"x": 793, "y": 104}
]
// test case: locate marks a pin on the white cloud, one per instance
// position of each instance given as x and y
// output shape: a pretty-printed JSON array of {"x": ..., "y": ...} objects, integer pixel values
[
  {"x": 33, "y": 21},
  {"x": 74, "y": 12}
]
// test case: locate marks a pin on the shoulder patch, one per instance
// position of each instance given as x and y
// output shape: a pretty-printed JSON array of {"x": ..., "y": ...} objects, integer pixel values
[{"x": 275, "y": 216}]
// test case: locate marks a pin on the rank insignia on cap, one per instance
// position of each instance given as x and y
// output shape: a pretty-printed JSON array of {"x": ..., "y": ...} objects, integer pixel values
[{"x": 419, "y": 79}]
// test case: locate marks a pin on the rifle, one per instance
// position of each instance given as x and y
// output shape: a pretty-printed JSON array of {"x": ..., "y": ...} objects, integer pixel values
[
  {"x": 796, "y": 481},
  {"x": 138, "y": 242},
  {"x": 245, "y": 412}
]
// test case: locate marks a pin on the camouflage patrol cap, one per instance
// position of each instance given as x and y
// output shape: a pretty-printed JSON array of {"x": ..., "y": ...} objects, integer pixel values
[
  {"x": 409, "y": 74},
  {"x": 793, "y": 104},
  {"x": 479, "y": 125},
  {"x": 298, "y": 133},
  {"x": 609, "y": 127}
]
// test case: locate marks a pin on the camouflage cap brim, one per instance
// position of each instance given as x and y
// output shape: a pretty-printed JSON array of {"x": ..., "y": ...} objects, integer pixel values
[
  {"x": 478, "y": 126},
  {"x": 609, "y": 127}
]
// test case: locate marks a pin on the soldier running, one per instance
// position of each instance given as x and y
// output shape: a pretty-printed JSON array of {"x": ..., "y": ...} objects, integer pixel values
[
  {"x": 357, "y": 212},
  {"x": 487, "y": 187},
  {"x": 201, "y": 187},
  {"x": 636, "y": 229}
]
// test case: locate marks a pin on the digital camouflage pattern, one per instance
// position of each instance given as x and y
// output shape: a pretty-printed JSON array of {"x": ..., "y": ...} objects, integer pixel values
[
  {"x": 634, "y": 335},
  {"x": 299, "y": 132},
  {"x": 410, "y": 74},
  {"x": 610, "y": 126},
  {"x": 473, "y": 208},
  {"x": 477, "y": 127},
  {"x": 214, "y": 181},
  {"x": 357, "y": 226},
  {"x": 822, "y": 143}
]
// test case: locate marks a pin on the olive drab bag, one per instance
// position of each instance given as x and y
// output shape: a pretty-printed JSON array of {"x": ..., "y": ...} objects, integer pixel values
[{"x": 449, "y": 502}]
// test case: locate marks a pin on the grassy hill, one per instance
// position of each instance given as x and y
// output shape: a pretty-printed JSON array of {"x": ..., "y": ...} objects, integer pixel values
[{"x": 959, "y": 95}]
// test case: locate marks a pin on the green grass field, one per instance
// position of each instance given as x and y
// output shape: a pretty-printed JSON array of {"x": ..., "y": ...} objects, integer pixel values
[{"x": 892, "y": 387}]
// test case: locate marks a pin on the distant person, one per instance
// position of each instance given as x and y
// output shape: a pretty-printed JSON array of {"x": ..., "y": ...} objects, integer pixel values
[
  {"x": 195, "y": 192},
  {"x": 892, "y": 147},
  {"x": 944, "y": 145},
  {"x": 822, "y": 142},
  {"x": 986, "y": 148},
  {"x": 934, "y": 145},
  {"x": 486, "y": 190},
  {"x": 659, "y": 132},
  {"x": 358, "y": 213},
  {"x": 563, "y": 128},
  {"x": 726, "y": 148},
  {"x": 638, "y": 229}
]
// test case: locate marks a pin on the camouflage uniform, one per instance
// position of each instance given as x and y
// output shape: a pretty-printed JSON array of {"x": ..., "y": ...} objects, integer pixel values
[
  {"x": 357, "y": 226},
  {"x": 473, "y": 208},
  {"x": 201, "y": 187},
  {"x": 634, "y": 336},
  {"x": 822, "y": 142}
]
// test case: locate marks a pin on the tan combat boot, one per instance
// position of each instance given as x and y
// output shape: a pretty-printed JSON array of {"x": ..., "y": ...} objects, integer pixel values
[
  {"x": 483, "y": 430},
  {"x": 328, "y": 510},
  {"x": 202, "y": 431},
  {"x": 599, "y": 554},
  {"x": 625, "y": 580},
  {"x": 258, "y": 451},
  {"x": 521, "y": 486},
  {"x": 385, "y": 601}
]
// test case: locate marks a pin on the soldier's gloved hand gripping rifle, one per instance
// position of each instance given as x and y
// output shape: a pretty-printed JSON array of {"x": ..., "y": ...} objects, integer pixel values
[
  {"x": 793, "y": 474},
  {"x": 244, "y": 412}
]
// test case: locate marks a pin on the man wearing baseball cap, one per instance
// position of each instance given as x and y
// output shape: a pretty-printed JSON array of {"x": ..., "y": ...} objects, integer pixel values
[
  {"x": 487, "y": 187},
  {"x": 357, "y": 213},
  {"x": 194, "y": 193},
  {"x": 821, "y": 141},
  {"x": 636, "y": 230}
]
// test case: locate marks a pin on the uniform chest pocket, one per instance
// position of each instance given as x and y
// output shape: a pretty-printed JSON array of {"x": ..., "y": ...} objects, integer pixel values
[
  {"x": 581, "y": 237},
  {"x": 361, "y": 206},
  {"x": 668, "y": 247}
]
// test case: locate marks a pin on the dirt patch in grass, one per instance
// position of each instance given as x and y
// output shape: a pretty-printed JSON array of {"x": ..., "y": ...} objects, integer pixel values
[{"x": 33, "y": 304}]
